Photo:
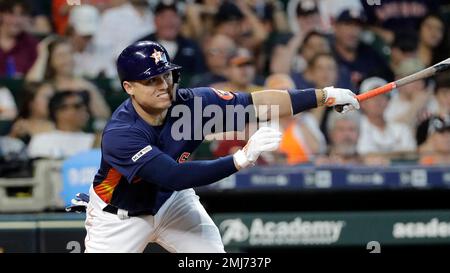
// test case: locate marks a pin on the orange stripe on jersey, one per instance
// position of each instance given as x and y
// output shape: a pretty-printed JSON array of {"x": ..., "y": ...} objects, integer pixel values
[{"x": 106, "y": 188}]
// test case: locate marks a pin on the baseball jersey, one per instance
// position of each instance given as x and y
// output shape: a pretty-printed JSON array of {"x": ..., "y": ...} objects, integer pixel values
[{"x": 128, "y": 143}]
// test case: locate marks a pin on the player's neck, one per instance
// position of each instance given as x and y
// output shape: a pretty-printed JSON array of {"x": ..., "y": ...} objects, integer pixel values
[{"x": 154, "y": 119}]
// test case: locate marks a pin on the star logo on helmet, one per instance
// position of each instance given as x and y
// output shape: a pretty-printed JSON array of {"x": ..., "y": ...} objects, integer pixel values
[{"x": 157, "y": 55}]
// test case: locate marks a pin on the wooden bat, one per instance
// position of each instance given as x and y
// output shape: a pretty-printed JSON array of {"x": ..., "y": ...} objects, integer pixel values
[{"x": 425, "y": 73}]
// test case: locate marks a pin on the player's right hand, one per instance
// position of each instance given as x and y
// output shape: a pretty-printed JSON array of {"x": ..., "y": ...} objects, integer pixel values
[
  {"x": 79, "y": 203},
  {"x": 264, "y": 140}
]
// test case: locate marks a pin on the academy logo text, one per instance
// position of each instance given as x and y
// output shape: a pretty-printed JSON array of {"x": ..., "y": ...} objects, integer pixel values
[
  {"x": 294, "y": 232},
  {"x": 431, "y": 229}
]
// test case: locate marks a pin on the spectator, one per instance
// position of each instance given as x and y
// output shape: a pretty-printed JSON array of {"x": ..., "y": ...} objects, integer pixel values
[
  {"x": 409, "y": 102},
  {"x": 185, "y": 52},
  {"x": 396, "y": 15},
  {"x": 40, "y": 24},
  {"x": 361, "y": 60},
  {"x": 253, "y": 32},
  {"x": 18, "y": 49},
  {"x": 56, "y": 65},
  {"x": 69, "y": 112},
  {"x": 440, "y": 102},
  {"x": 33, "y": 115},
  {"x": 8, "y": 108},
  {"x": 121, "y": 26},
  {"x": 83, "y": 25},
  {"x": 200, "y": 17},
  {"x": 436, "y": 149},
  {"x": 322, "y": 72},
  {"x": 439, "y": 106},
  {"x": 217, "y": 50},
  {"x": 298, "y": 52},
  {"x": 330, "y": 9},
  {"x": 304, "y": 16},
  {"x": 403, "y": 47},
  {"x": 239, "y": 22},
  {"x": 241, "y": 73},
  {"x": 379, "y": 136},
  {"x": 344, "y": 133},
  {"x": 431, "y": 40},
  {"x": 60, "y": 11},
  {"x": 302, "y": 139}
]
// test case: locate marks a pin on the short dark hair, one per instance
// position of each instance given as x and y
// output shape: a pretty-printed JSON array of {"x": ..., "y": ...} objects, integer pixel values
[
  {"x": 162, "y": 6},
  {"x": 442, "y": 81},
  {"x": 8, "y": 6},
  {"x": 227, "y": 12},
  {"x": 59, "y": 97},
  {"x": 406, "y": 41},
  {"x": 30, "y": 91},
  {"x": 311, "y": 34}
]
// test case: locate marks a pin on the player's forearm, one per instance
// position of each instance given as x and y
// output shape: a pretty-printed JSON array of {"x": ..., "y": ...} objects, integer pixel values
[
  {"x": 175, "y": 176},
  {"x": 288, "y": 102}
]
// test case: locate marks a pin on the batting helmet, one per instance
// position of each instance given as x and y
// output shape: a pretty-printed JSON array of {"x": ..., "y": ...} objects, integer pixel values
[{"x": 143, "y": 60}]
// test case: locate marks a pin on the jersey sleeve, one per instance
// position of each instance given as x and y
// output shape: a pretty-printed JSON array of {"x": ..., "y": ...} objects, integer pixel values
[
  {"x": 127, "y": 150},
  {"x": 235, "y": 108}
]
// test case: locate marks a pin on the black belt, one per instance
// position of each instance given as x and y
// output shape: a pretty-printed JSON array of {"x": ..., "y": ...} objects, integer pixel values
[{"x": 112, "y": 209}]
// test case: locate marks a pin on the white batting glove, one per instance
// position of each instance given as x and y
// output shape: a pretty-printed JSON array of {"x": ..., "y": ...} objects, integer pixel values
[
  {"x": 264, "y": 140},
  {"x": 344, "y": 98}
]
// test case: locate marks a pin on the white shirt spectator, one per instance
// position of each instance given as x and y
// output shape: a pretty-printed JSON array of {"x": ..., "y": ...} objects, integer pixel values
[
  {"x": 396, "y": 137},
  {"x": 396, "y": 108},
  {"x": 90, "y": 62},
  {"x": 8, "y": 108},
  {"x": 59, "y": 144},
  {"x": 119, "y": 27}
]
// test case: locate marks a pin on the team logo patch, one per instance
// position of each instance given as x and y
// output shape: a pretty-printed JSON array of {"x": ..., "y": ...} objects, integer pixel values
[
  {"x": 141, "y": 153},
  {"x": 157, "y": 55},
  {"x": 183, "y": 157},
  {"x": 225, "y": 95}
]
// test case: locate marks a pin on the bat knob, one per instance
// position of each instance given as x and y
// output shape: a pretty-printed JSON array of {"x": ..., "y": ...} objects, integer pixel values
[{"x": 339, "y": 108}]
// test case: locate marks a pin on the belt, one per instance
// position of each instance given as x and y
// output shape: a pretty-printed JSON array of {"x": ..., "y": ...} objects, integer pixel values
[
  {"x": 123, "y": 213},
  {"x": 111, "y": 209}
]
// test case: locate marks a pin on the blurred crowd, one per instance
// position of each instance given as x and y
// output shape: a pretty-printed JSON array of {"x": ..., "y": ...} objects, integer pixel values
[{"x": 59, "y": 52}]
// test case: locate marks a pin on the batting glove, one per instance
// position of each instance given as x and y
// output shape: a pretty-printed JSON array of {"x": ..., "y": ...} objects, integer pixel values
[
  {"x": 79, "y": 203},
  {"x": 264, "y": 140},
  {"x": 344, "y": 98}
]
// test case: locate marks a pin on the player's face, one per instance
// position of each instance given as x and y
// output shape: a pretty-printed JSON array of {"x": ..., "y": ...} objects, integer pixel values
[{"x": 153, "y": 94}]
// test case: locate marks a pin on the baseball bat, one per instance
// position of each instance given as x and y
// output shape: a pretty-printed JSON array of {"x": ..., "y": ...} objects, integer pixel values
[{"x": 425, "y": 73}]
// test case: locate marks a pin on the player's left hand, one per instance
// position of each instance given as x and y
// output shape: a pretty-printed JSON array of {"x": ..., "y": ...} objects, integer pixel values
[
  {"x": 79, "y": 203},
  {"x": 344, "y": 100}
]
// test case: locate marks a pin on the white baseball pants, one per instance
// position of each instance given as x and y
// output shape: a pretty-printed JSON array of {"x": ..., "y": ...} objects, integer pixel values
[{"x": 181, "y": 225}]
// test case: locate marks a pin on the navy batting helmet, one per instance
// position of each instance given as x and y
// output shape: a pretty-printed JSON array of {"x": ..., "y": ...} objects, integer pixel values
[{"x": 143, "y": 60}]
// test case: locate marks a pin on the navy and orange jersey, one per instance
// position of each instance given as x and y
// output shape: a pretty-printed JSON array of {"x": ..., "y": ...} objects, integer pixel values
[{"x": 128, "y": 143}]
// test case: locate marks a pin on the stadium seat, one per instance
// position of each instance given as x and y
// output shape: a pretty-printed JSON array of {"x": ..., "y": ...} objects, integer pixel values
[{"x": 33, "y": 194}]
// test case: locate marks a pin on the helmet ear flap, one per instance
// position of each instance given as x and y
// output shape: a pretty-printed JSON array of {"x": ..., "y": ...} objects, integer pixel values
[{"x": 176, "y": 76}]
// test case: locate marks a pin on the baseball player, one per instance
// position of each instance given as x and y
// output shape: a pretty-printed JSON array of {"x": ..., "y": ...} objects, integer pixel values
[{"x": 143, "y": 189}]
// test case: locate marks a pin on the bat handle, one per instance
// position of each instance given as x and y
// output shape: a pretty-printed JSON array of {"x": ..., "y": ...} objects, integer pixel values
[
  {"x": 370, "y": 94},
  {"x": 377, "y": 91}
]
